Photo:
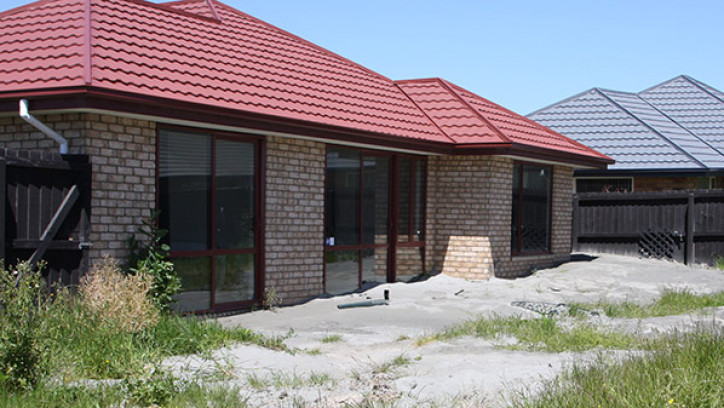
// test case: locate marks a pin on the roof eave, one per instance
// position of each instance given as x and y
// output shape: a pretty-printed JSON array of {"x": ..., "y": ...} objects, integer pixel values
[{"x": 78, "y": 98}]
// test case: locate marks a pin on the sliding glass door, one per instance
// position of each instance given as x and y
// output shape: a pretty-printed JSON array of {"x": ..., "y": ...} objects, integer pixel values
[
  {"x": 208, "y": 197},
  {"x": 374, "y": 224}
]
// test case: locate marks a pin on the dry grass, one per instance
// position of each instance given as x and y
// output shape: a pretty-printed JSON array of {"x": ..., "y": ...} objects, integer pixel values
[{"x": 117, "y": 299}]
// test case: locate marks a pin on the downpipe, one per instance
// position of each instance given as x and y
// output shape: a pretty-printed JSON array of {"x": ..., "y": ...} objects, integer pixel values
[{"x": 25, "y": 114}]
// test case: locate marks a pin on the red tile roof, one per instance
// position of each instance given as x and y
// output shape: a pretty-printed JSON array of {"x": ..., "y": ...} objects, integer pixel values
[
  {"x": 205, "y": 52},
  {"x": 469, "y": 119}
]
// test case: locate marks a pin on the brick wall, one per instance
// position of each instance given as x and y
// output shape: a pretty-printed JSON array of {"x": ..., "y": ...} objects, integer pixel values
[
  {"x": 295, "y": 172},
  {"x": 469, "y": 218},
  {"x": 122, "y": 156}
]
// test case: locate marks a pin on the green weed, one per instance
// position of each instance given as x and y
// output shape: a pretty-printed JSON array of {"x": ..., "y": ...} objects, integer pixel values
[
  {"x": 332, "y": 338},
  {"x": 685, "y": 372},
  {"x": 543, "y": 334},
  {"x": 671, "y": 302}
]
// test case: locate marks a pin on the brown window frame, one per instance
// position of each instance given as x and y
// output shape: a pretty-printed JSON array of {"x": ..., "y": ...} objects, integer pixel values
[
  {"x": 258, "y": 250},
  {"x": 393, "y": 242},
  {"x": 518, "y": 228}
]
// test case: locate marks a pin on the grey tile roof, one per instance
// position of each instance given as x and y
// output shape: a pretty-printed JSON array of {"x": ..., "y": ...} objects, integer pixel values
[{"x": 678, "y": 124}]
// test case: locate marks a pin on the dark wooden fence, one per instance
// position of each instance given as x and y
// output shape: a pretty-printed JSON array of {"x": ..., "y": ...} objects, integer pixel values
[
  {"x": 45, "y": 201},
  {"x": 683, "y": 226}
]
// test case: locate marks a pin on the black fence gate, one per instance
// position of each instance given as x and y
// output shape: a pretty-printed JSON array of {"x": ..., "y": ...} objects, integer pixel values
[
  {"x": 683, "y": 226},
  {"x": 46, "y": 201}
]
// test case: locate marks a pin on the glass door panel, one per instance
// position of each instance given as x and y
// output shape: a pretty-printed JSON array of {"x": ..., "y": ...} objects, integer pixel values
[
  {"x": 195, "y": 275},
  {"x": 374, "y": 265},
  {"x": 343, "y": 197},
  {"x": 404, "y": 188},
  {"x": 234, "y": 278},
  {"x": 342, "y": 270},
  {"x": 185, "y": 184},
  {"x": 375, "y": 200},
  {"x": 235, "y": 212}
]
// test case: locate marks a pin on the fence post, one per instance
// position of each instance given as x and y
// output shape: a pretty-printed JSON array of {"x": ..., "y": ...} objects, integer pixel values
[
  {"x": 689, "y": 257},
  {"x": 3, "y": 192},
  {"x": 575, "y": 230}
]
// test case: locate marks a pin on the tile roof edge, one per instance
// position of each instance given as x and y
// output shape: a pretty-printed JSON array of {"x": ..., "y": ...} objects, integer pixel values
[
  {"x": 451, "y": 89},
  {"x": 424, "y": 112},
  {"x": 554, "y": 104},
  {"x": 646, "y": 125},
  {"x": 318, "y": 47},
  {"x": 536, "y": 124},
  {"x": 23, "y": 7},
  {"x": 682, "y": 76}
]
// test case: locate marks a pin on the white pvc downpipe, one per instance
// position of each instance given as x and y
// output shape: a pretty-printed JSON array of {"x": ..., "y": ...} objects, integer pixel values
[{"x": 42, "y": 127}]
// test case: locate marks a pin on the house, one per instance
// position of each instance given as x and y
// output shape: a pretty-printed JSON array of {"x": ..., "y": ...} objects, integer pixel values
[
  {"x": 276, "y": 164},
  {"x": 668, "y": 137}
]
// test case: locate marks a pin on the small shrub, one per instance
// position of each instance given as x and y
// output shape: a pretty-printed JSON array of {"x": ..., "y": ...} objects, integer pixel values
[
  {"x": 150, "y": 257},
  {"x": 271, "y": 299},
  {"x": 120, "y": 301},
  {"x": 22, "y": 303}
]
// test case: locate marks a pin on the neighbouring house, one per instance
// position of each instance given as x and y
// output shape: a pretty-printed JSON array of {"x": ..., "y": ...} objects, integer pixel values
[
  {"x": 668, "y": 137},
  {"x": 276, "y": 164}
]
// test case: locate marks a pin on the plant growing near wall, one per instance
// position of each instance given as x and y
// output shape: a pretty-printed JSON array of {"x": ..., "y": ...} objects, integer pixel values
[
  {"x": 149, "y": 255},
  {"x": 22, "y": 303}
]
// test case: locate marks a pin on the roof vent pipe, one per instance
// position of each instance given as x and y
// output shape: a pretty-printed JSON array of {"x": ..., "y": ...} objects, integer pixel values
[{"x": 42, "y": 127}]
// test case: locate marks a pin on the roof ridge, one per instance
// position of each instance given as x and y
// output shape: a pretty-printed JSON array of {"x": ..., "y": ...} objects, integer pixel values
[
  {"x": 682, "y": 76},
  {"x": 311, "y": 44},
  {"x": 88, "y": 42},
  {"x": 167, "y": 7},
  {"x": 209, "y": 3},
  {"x": 446, "y": 84},
  {"x": 424, "y": 112},
  {"x": 700, "y": 84},
  {"x": 682, "y": 127},
  {"x": 570, "y": 98},
  {"x": 672, "y": 143}
]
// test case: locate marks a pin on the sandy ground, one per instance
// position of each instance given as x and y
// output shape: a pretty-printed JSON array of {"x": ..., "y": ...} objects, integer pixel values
[{"x": 463, "y": 372}]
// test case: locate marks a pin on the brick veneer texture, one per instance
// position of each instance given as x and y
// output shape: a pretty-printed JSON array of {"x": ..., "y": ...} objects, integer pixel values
[
  {"x": 469, "y": 218},
  {"x": 295, "y": 171},
  {"x": 122, "y": 155}
]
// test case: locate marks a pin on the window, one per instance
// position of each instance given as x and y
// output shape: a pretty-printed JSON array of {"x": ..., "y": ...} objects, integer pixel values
[
  {"x": 208, "y": 197},
  {"x": 604, "y": 185},
  {"x": 531, "y": 225}
]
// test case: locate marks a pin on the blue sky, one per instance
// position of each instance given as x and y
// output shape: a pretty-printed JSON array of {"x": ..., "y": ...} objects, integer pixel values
[{"x": 523, "y": 55}]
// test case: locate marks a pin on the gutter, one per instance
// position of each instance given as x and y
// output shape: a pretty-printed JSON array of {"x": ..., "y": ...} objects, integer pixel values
[{"x": 25, "y": 114}]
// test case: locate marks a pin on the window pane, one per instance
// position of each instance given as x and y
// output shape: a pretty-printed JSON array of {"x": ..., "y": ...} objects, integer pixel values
[
  {"x": 419, "y": 210},
  {"x": 374, "y": 265},
  {"x": 195, "y": 275},
  {"x": 342, "y": 269},
  {"x": 234, "y": 278},
  {"x": 184, "y": 189},
  {"x": 515, "y": 223},
  {"x": 536, "y": 209},
  {"x": 375, "y": 200},
  {"x": 409, "y": 263},
  {"x": 235, "y": 170},
  {"x": 343, "y": 197},
  {"x": 403, "y": 207}
]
